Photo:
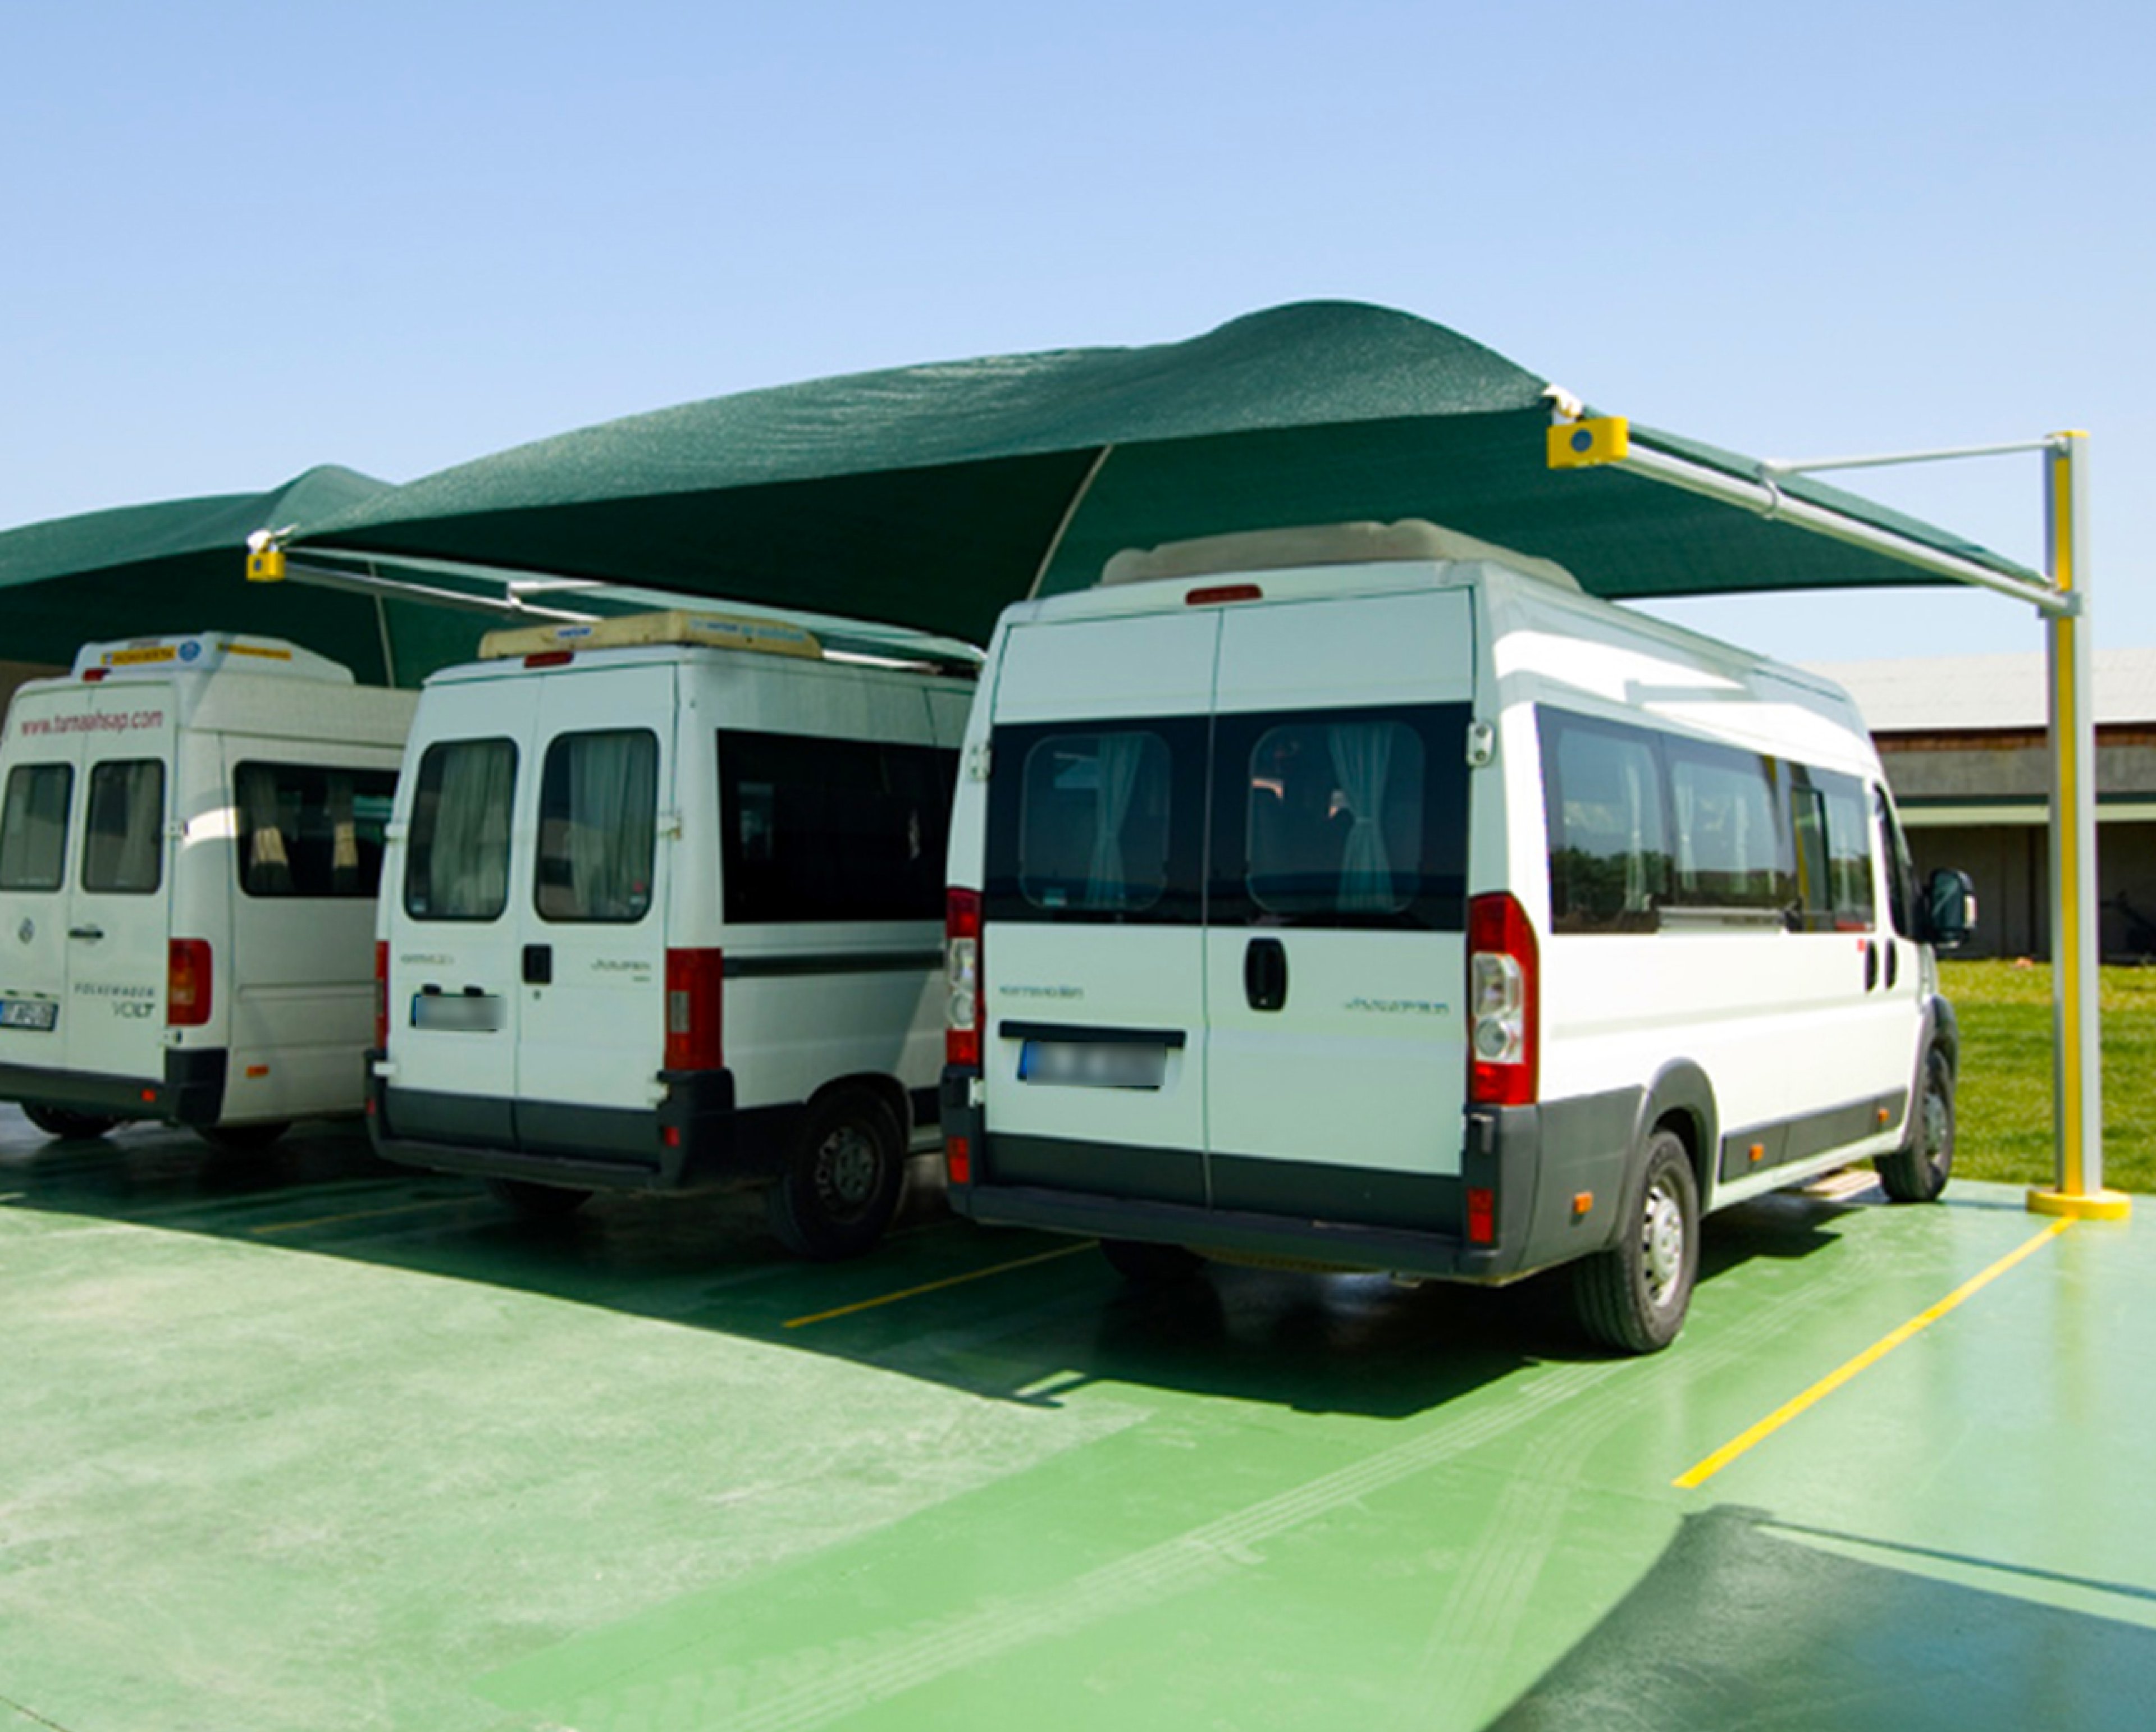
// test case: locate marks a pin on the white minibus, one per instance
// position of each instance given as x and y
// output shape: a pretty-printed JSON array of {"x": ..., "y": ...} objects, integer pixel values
[
  {"x": 660, "y": 912},
  {"x": 190, "y": 832},
  {"x": 1368, "y": 897}
]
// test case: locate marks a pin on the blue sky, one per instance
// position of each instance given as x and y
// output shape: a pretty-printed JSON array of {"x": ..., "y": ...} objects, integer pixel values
[{"x": 242, "y": 240}]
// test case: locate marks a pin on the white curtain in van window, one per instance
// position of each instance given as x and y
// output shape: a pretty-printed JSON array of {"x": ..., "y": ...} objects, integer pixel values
[
  {"x": 1362, "y": 760},
  {"x": 613, "y": 806},
  {"x": 468, "y": 872},
  {"x": 268, "y": 866},
  {"x": 344, "y": 835},
  {"x": 1121, "y": 757}
]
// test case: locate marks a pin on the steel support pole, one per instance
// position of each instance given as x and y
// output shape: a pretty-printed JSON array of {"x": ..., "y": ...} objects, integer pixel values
[{"x": 2078, "y": 1042}]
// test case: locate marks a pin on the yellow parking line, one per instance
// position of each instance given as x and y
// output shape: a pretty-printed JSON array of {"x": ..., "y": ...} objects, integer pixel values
[
  {"x": 1700, "y": 1473},
  {"x": 892, "y": 1299},
  {"x": 442, "y": 1202}
]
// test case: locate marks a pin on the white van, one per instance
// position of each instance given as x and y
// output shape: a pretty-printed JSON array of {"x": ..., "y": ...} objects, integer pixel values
[
  {"x": 660, "y": 911},
  {"x": 190, "y": 832},
  {"x": 1368, "y": 897}
]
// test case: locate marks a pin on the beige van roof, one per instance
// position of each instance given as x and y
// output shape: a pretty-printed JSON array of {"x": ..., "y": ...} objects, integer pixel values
[
  {"x": 675, "y": 625},
  {"x": 1320, "y": 544}
]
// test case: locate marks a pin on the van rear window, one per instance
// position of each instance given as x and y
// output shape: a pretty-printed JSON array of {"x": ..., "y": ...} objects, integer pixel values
[
  {"x": 34, "y": 827},
  {"x": 1334, "y": 818},
  {"x": 1093, "y": 823},
  {"x": 123, "y": 849},
  {"x": 457, "y": 866},
  {"x": 309, "y": 831},
  {"x": 598, "y": 813}
]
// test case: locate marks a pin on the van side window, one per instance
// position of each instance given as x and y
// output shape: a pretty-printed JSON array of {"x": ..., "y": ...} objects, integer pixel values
[
  {"x": 1730, "y": 849},
  {"x": 1609, "y": 842},
  {"x": 307, "y": 831},
  {"x": 817, "y": 829},
  {"x": 598, "y": 811},
  {"x": 1093, "y": 822},
  {"x": 1833, "y": 852},
  {"x": 1333, "y": 818},
  {"x": 34, "y": 827},
  {"x": 457, "y": 867},
  {"x": 1900, "y": 874},
  {"x": 123, "y": 851}
]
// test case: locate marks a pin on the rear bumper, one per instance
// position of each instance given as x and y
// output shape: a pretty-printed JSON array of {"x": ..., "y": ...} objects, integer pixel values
[
  {"x": 1535, "y": 1162},
  {"x": 695, "y": 1138},
  {"x": 190, "y": 1091}
]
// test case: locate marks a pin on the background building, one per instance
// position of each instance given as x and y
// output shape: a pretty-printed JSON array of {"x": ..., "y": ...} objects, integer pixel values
[{"x": 1963, "y": 743}]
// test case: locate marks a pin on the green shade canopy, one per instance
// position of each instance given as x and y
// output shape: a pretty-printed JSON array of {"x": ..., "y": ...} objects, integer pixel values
[
  {"x": 175, "y": 566},
  {"x": 931, "y": 496}
]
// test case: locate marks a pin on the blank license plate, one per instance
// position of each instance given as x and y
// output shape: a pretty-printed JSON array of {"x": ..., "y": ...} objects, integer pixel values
[
  {"x": 29, "y": 1013},
  {"x": 463, "y": 1014},
  {"x": 1092, "y": 1065}
]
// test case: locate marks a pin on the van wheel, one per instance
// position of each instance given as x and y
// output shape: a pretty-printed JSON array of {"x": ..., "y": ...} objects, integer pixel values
[
  {"x": 840, "y": 1186},
  {"x": 1917, "y": 1172},
  {"x": 1634, "y": 1296},
  {"x": 1143, "y": 1264},
  {"x": 68, "y": 1127},
  {"x": 242, "y": 1138},
  {"x": 535, "y": 1202}
]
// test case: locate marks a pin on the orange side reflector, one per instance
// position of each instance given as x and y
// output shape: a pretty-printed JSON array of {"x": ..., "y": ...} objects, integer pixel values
[
  {"x": 1884, "y": 1115},
  {"x": 258, "y": 1070},
  {"x": 1758, "y": 1152},
  {"x": 1582, "y": 1202}
]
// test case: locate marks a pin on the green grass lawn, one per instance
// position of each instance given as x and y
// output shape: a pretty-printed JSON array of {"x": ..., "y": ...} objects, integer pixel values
[{"x": 2004, "y": 1100}]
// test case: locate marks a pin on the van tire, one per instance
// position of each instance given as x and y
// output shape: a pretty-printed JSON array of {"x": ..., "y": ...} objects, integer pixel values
[
  {"x": 242, "y": 1138},
  {"x": 1634, "y": 1296},
  {"x": 840, "y": 1186},
  {"x": 1918, "y": 1171},
  {"x": 535, "y": 1202},
  {"x": 1145, "y": 1264},
  {"x": 68, "y": 1127}
]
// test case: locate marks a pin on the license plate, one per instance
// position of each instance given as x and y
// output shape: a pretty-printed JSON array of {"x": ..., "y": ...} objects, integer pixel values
[
  {"x": 42, "y": 1013},
  {"x": 1093, "y": 1064},
  {"x": 463, "y": 1014}
]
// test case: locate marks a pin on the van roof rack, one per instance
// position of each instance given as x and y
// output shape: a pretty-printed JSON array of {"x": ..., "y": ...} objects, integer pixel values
[
  {"x": 830, "y": 640},
  {"x": 673, "y": 625},
  {"x": 204, "y": 653},
  {"x": 1320, "y": 544}
]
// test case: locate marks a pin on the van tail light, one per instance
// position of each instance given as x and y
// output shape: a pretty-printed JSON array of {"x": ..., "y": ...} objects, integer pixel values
[
  {"x": 1503, "y": 1003},
  {"x": 695, "y": 981},
  {"x": 187, "y": 982},
  {"x": 381, "y": 997},
  {"x": 962, "y": 972}
]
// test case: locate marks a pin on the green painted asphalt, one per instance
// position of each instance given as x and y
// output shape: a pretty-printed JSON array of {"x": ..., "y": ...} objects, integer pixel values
[{"x": 309, "y": 1442}]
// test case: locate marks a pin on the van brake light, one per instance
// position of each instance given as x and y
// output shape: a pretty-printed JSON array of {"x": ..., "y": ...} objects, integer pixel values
[
  {"x": 962, "y": 973},
  {"x": 695, "y": 983},
  {"x": 187, "y": 982},
  {"x": 1503, "y": 994},
  {"x": 381, "y": 997}
]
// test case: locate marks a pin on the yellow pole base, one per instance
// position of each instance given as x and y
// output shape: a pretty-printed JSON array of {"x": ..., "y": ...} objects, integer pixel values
[{"x": 2089, "y": 1206}]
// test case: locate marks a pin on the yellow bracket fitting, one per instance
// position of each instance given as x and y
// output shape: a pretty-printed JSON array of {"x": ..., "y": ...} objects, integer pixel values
[
  {"x": 1585, "y": 444},
  {"x": 2090, "y": 1205},
  {"x": 266, "y": 566}
]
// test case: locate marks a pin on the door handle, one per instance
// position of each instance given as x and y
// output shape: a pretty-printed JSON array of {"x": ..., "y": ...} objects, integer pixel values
[
  {"x": 1870, "y": 964},
  {"x": 85, "y": 932},
  {"x": 1893, "y": 959},
  {"x": 1265, "y": 974},
  {"x": 538, "y": 964}
]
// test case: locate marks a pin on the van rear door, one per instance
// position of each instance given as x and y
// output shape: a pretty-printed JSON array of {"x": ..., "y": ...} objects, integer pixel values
[
  {"x": 456, "y": 928},
  {"x": 39, "y": 825},
  {"x": 1335, "y": 947},
  {"x": 118, "y": 902},
  {"x": 1092, "y": 950},
  {"x": 592, "y": 950}
]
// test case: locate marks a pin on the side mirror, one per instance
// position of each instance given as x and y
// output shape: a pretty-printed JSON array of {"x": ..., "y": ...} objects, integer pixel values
[{"x": 1949, "y": 909}]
